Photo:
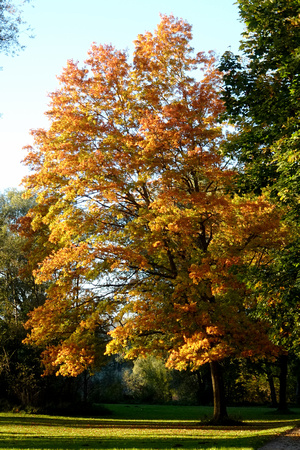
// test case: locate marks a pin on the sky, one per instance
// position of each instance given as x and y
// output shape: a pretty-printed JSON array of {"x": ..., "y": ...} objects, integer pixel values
[{"x": 65, "y": 29}]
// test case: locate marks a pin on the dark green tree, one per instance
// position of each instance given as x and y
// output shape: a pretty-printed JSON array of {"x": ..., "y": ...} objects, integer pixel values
[
  {"x": 262, "y": 87},
  {"x": 261, "y": 93}
]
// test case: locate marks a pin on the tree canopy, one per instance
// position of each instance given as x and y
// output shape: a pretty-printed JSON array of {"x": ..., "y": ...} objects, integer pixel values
[{"x": 262, "y": 95}]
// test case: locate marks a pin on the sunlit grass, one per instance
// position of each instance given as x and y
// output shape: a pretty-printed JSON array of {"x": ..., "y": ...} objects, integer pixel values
[{"x": 143, "y": 427}]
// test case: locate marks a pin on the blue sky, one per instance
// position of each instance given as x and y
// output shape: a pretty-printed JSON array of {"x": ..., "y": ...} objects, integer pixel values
[{"x": 65, "y": 29}]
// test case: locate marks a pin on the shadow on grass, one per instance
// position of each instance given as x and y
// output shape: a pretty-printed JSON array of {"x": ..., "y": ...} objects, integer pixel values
[
  {"x": 29, "y": 434},
  {"x": 109, "y": 442},
  {"x": 71, "y": 422}
]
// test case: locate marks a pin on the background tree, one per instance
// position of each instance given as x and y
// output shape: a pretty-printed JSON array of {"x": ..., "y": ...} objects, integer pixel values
[
  {"x": 149, "y": 380},
  {"x": 262, "y": 91},
  {"x": 138, "y": 230},
  {"x": 19, "y": 364},
  {"x": 262, "y": 100},
  {"x": 11, "y": 23}
]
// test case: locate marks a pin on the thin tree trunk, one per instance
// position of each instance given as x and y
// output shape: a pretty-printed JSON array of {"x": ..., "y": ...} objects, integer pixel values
[
  {"x": 220, "y": 410},
  {"x": 283, "y": 364},
  {"x": 298, "y": 390},
  {"x": 199, "y": 387},
  {"x": 272, "y": 388},
  {"x": 85, "y": 387}
]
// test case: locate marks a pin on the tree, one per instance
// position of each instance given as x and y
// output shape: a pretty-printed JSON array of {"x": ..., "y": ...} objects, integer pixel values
[
  {"x": 139, "y": 233},
  {"x": 149, "y": 380},
  {"x": 262, "y": 99},
  {"x": 19, "y": 364},
  {"x": 277, "y": 289},
  {"x": 262, "y": 93},
  {"x": 11, "y": 24}
]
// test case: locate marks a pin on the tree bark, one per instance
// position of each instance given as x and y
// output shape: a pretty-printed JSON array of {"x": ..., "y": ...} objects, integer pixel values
[
  {"x": 298, "y": 390},
  {"x": 270, "y": 378},
  {"x": 85, "y": 387},
  {"x": 283, "y": 364},
  {"x": 220, "y": 410}
]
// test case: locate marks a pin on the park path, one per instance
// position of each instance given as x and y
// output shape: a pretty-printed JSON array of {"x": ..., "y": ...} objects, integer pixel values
[{"x": 289, "y": 441}]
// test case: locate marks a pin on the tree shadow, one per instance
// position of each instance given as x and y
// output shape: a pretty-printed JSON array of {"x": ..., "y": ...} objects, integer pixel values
[
  {"x": 45, "y": 443},
  {"x": 194, "y": 434}
]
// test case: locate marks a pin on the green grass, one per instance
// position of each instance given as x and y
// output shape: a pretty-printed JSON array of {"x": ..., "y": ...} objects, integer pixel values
[{"x": 144, "y": 427}]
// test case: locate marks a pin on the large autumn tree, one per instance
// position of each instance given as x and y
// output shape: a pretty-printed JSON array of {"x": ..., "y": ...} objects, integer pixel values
[{"x": 139, "y": 233}]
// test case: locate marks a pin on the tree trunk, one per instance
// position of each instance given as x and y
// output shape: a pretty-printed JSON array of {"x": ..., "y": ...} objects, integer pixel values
[
  {"x": 272, "y": 388},
  {"x": 85, "y": 387},
  {"x": 298, "y": 390},
  {"x": 283, "y": 364},
  {"x": 220, "y": 411},
  {"x": 199, "y": 388}
]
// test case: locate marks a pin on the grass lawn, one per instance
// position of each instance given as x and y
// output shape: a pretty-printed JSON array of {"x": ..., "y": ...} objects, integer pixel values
[{"x": 144, "y": 427}]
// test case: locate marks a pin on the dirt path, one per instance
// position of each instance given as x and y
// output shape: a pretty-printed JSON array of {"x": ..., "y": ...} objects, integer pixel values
[{"x": 290, "y": 441}]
